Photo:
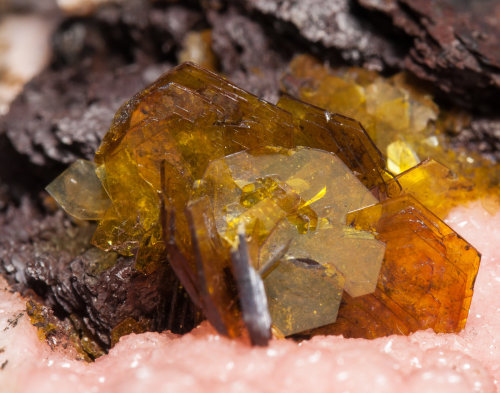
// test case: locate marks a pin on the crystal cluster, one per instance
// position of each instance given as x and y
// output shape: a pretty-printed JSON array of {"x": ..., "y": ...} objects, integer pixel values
[
  {"x": 396, "y": 116},
  {"x": 273, "y": 215},
  {"x": 402, "y": 119}
]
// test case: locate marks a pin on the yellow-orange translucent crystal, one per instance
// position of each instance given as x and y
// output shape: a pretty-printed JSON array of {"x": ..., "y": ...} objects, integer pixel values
[
  {"x": 301, "y": 197},
  {"x": 163, "y": 140},
  {"x": 295, "y": 200},
  {"x": 79, "y": 191},
  {"x": 398, "y": 114},
  {"x": 426, "y": 280}
]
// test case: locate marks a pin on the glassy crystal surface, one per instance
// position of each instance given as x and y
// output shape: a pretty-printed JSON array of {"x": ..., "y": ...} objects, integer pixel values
[
  {"x": 299, "y": 197},
  {"x": 434, "y": 185},
  {"x": 396, "y": 116},
  {"x": 401, "y": 157},
  {"x": 79, "y": 191},
  {"x": 285, "y": 211},
  {"x": 426, "y": 280},
  {"x": 399, "y": 115},
  {"x": 338, "y": 134},
  {"x": 216, "y": 283},
  {"x": 295, "y": 200}
]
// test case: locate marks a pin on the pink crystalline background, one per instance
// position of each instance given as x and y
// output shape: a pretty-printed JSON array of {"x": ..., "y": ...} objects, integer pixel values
[{"x": 203, "y": 361}]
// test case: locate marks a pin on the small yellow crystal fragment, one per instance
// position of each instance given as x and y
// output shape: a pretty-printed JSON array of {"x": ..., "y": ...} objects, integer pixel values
[
  {"x": 197, "y": 47},
  {"x": 79, "y": 191},
  {"x": 400, "y": 157}
]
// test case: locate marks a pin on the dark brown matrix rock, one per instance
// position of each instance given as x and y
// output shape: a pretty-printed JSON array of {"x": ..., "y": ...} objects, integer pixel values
[{"x": 51, "y": 258}]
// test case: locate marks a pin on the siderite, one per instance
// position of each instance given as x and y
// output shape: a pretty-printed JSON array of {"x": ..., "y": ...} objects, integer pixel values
[{"x": 281, "y": 216}]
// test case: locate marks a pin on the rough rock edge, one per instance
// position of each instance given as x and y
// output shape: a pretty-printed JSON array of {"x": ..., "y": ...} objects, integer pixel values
[{"x": 50, "y": 255}]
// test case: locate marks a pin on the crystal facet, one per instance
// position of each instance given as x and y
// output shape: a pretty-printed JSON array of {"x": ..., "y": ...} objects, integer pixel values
[{"x": 79, "y": 191}]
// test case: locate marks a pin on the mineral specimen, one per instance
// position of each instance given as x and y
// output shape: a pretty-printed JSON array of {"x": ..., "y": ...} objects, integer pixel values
[
  {"x": 396, "y": 118},
  {"x": 240, "y": 196},
  {"x": 81, "y": 192},
  {"x": 198, "y": 49},
  {"x": 426, "y": 268}
]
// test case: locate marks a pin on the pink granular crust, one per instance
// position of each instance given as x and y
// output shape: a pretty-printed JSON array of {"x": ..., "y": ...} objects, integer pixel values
[{"x": 203, "y": 361}]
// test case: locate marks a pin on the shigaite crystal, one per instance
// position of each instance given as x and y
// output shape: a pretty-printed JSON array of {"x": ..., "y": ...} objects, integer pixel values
[
  {"x": 80, "y": 192},
  {"x": 426, "y": 280},
  {"x": 291, "y": 203},
  {"x": 405, "y": 124},
  {"x": 276, "y": 214}
]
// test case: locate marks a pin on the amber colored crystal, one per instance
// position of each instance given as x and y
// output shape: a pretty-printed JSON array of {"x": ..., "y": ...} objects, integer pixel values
[
  {"x": 400, "y": 116},
  {"x": 284, "y": 212},
  {"x": 338, "y": 134},
  {"x": 183, "y": 121},
  {"x": 291, "y": 203},
  {"x": 434, "y": 185},
  {"x": 216, "y": 283},
  {"x": 426, "y": 280}
]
